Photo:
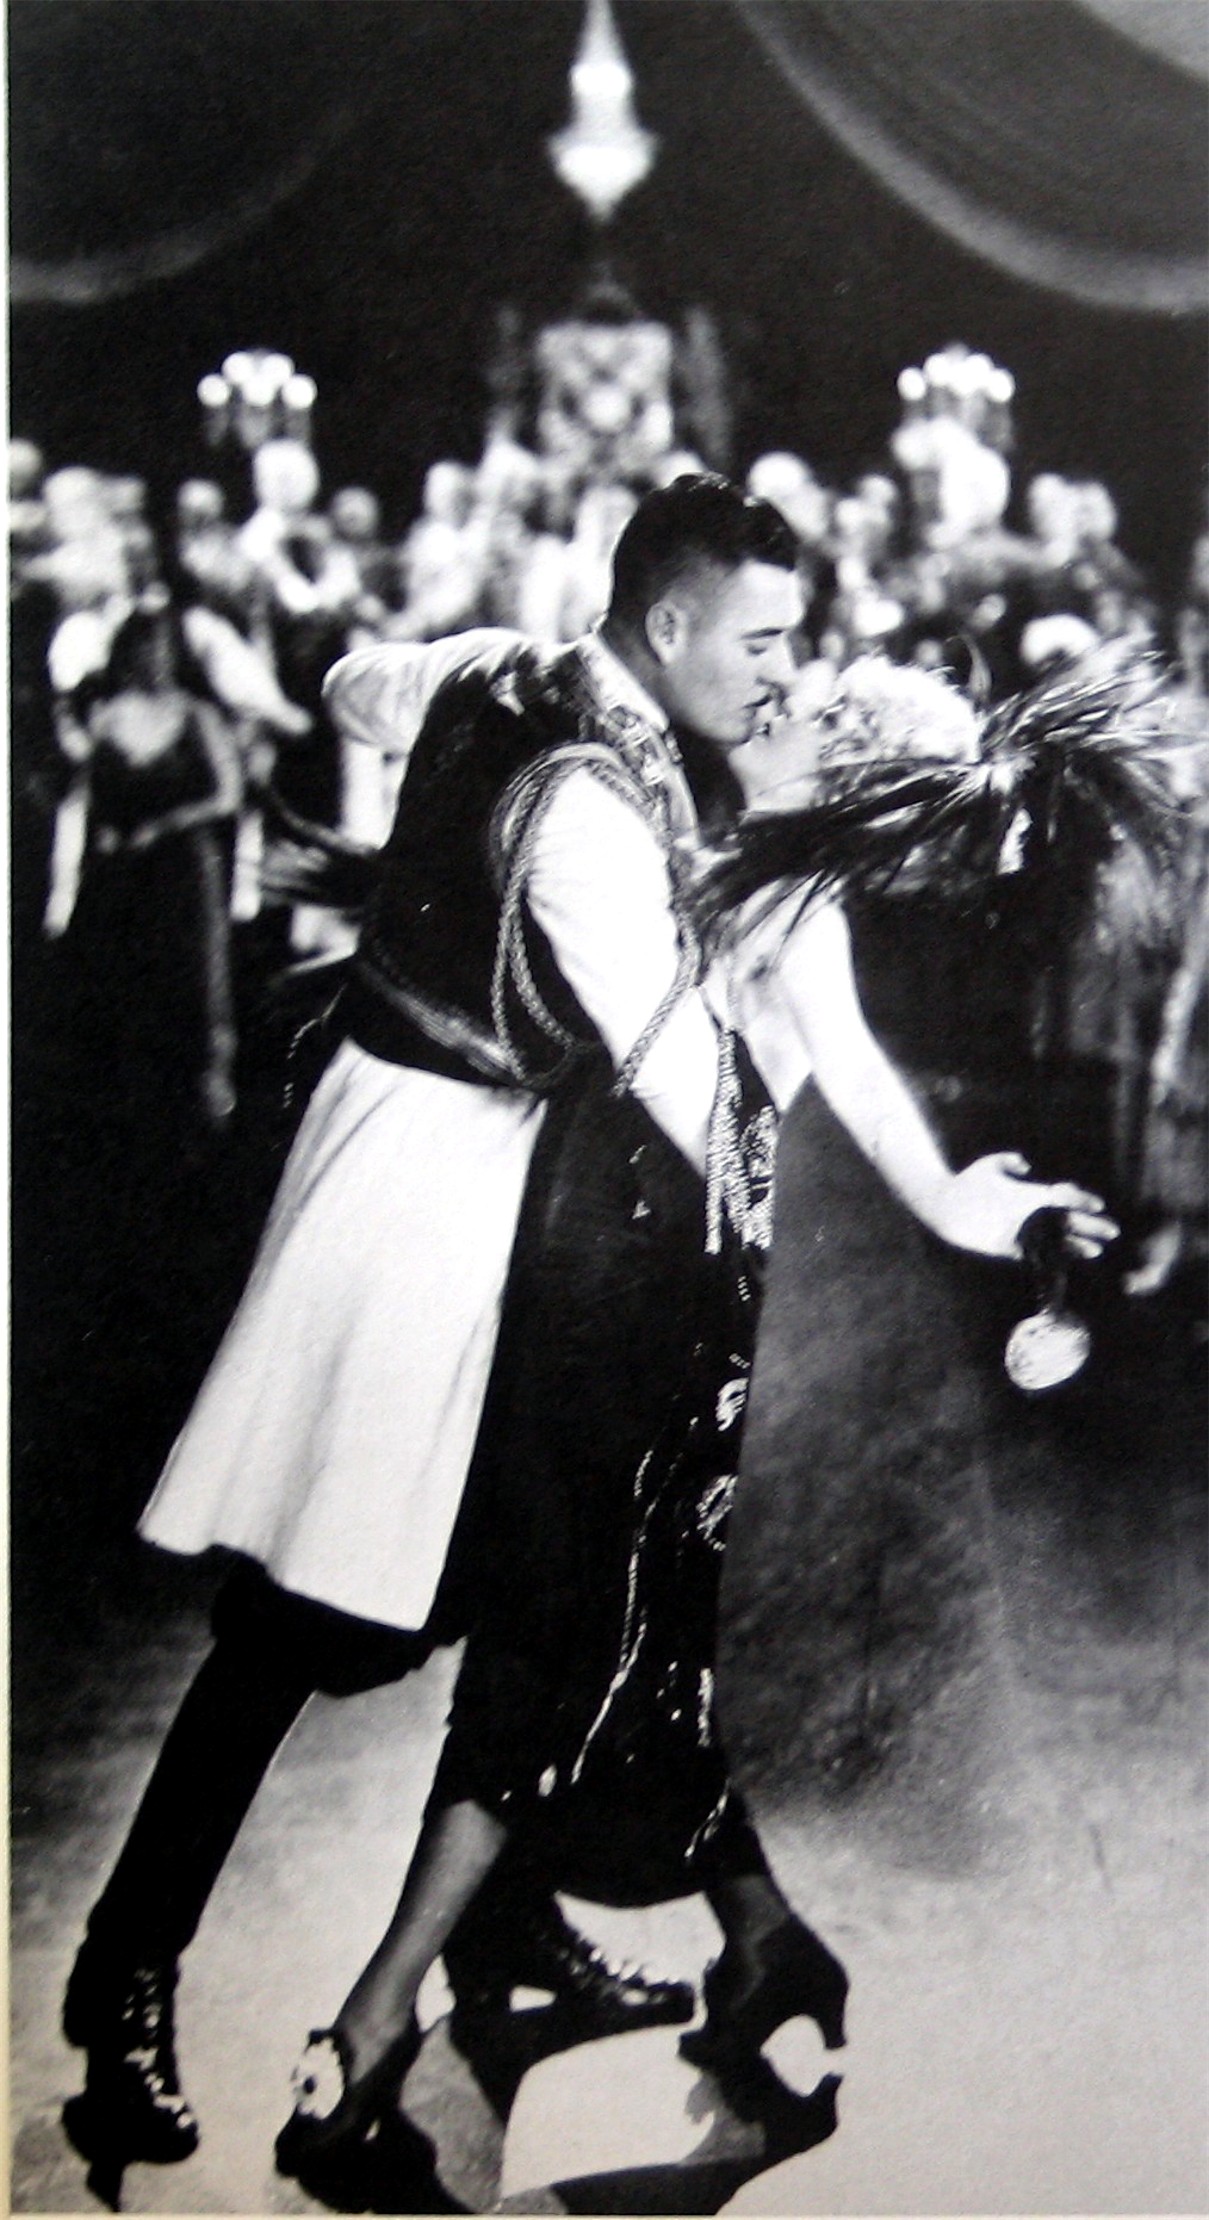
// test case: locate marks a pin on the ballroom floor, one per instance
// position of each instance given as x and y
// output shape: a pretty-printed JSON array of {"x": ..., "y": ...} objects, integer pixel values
[
  {"x": 1011, "y": 1864},
  {"x": 1026, "y": 2036}
]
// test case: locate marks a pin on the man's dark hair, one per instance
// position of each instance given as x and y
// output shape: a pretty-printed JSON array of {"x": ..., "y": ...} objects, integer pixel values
[{"x": 699, "y": 522}]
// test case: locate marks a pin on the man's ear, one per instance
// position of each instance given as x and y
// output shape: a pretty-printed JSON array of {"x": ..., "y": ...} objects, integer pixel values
[{"x": 665, "y": 625}]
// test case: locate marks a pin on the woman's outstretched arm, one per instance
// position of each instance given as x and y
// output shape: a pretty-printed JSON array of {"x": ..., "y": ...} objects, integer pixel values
[{"x": 981, "y": 1208}]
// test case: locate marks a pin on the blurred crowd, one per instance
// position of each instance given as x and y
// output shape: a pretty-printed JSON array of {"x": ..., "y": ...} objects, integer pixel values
[{"x": 167, "y": 684}]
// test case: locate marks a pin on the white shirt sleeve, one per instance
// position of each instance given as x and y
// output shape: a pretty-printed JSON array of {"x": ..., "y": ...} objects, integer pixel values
[
  {"x": 380, "y": 695},
  {"x": 599, "y": 889}
]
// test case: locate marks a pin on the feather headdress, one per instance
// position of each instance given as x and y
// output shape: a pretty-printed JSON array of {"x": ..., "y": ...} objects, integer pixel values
[{"x": 1064, "y": 774}]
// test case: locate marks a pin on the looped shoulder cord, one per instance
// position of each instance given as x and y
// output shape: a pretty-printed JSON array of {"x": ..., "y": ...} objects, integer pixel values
[{"x": 518, "y": 826}]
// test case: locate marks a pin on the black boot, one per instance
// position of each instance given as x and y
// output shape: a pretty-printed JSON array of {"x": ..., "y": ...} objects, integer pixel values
[
  {"x": 122, "y": 2015},
  {"x": 491, "y": 1952}
]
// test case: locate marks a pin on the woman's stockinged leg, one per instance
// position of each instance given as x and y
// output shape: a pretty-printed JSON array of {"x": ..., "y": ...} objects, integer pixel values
[
  {"x": 772, "y": 1967},
  {"x": 459, "y": 1843},
  {"x": 375, "y": 2037}
]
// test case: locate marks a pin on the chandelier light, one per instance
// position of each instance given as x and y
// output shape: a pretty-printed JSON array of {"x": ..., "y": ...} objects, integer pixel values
[
  {"x": 604, "y": 151},
  {"x": 257, "y": 395}
]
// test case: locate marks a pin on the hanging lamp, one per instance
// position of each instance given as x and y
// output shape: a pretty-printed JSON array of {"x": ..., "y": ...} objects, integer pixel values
[{"x": 604, "y": 152}]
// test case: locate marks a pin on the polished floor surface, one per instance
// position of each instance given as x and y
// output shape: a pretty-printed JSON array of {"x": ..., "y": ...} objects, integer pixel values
[{"x": 963, "y": 1676}]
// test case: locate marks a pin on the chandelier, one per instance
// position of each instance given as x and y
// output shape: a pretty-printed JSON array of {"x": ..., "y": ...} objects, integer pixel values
[
  {"x": 604, "y": 150},
  {"x": 257, "y": 395}
]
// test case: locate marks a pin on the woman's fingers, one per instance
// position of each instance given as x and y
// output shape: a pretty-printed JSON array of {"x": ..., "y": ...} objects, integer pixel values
[{"x": 1089, "y": 1228}]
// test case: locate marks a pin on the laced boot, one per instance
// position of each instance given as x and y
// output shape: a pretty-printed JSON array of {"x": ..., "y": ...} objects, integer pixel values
[
  {"x": 540, "y": 1949},
  {"x": 123, "y": 2017}
]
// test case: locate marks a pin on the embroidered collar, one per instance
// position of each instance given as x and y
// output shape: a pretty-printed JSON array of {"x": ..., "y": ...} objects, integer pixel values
[
  {"x": 641, "y": 732},
  {"x": 614, "y": 683}
]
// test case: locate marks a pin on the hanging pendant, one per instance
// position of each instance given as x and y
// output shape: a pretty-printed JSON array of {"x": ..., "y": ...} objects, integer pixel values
[
  {"x": 1052, "y": 1344},
  {"x": 1046, "y": 1350}
]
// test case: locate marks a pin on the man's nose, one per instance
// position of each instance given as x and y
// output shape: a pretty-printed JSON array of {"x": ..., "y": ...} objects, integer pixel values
[{"x": 778, "y": 667}]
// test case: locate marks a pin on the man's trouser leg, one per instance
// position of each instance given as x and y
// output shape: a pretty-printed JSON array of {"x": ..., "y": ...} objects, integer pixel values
[{"x": 271, "y": 1653}]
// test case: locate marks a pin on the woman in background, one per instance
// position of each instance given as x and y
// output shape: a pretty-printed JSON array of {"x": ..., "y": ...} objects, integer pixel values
[{"x": 149, "y": 938}]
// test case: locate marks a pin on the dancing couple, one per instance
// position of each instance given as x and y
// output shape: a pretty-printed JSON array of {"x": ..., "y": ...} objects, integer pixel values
[{"x": 489, "y": 1372}]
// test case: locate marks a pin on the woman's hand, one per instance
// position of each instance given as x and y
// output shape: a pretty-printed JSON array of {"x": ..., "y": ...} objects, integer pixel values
[{"x": 984, "y": 1207}]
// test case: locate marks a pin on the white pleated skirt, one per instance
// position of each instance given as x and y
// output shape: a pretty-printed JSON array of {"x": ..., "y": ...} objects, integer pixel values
[{"x": 333, "y": 1433}]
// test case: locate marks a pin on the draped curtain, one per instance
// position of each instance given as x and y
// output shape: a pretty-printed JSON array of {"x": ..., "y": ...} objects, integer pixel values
[
  {"x": 1063, "y": 142},
  {"x": 147, "y": 137},
  {"x": 78, "y": 280},
  {"x": 1066, "y": 144}
]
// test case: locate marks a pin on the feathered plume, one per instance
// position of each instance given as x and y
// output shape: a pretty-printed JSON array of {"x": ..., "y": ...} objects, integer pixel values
[
  {"x": 315, "y": 863},
  {"x": 1065, "y": 774}
]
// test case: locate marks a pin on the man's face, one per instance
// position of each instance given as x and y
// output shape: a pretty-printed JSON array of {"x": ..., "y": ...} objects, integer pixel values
[{"x": 721, "y": 641}]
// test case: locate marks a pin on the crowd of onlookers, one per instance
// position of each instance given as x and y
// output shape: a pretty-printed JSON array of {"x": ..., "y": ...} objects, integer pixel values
[{"x": 167, "y": 672}]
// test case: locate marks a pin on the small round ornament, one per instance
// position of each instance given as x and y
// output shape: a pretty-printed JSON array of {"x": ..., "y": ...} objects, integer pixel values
[
  {"x": 1046, "y": 1350},
  {"x": 1049, "y": 1347}
]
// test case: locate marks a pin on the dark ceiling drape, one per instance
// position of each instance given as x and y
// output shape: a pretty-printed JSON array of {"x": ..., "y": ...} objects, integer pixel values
[
  {"x": 1063, "y": 143},
  {"x": 1034, "y": 132},
  {"x": 82, "y": 279},
  {"x": 148, "y": 135}
]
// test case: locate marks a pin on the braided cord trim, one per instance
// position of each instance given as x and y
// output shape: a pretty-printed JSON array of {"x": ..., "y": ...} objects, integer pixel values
[
  {"x": 688, "y": 967},
  {"x": 518, "y": 826},
  {"x": 527, "y": 805}
]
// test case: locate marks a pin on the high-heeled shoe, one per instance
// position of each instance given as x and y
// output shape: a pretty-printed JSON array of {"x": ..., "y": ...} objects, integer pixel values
[
  {"x": 332, "y": 2112},
  {"x": 790, "y": 1974},
  {"x": 349, "y": 2146}
]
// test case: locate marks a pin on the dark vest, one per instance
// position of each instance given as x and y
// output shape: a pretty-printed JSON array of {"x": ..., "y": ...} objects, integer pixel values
[{"x": 426, "y": 986}]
